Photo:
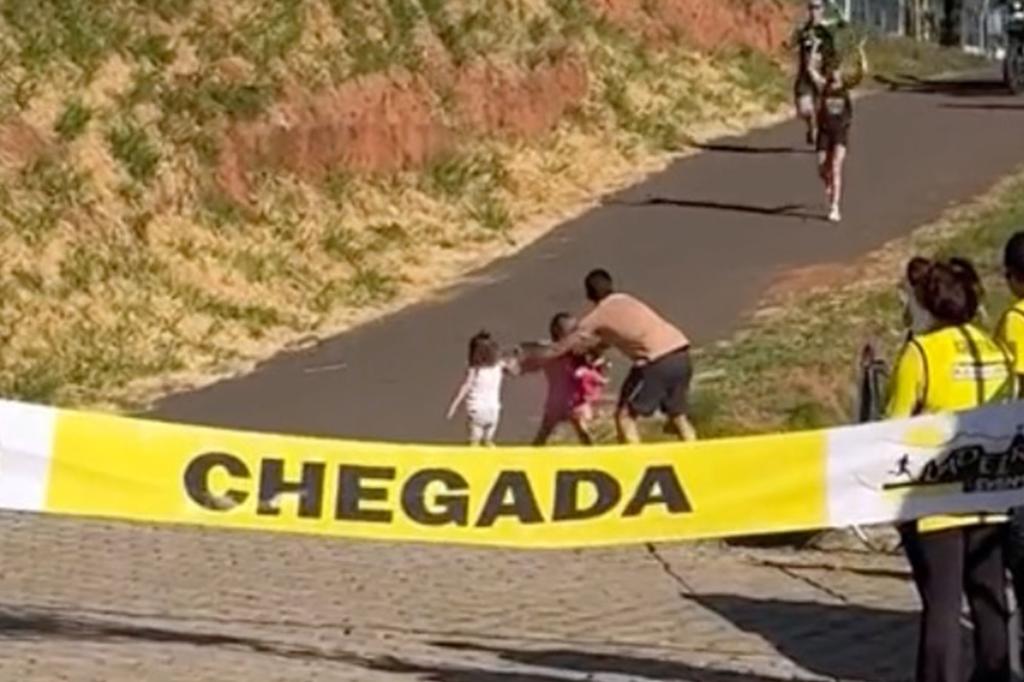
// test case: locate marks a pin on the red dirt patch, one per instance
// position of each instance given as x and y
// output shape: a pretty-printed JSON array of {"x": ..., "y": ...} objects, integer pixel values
[
  {"x": 383, "y": 122},
  {"x": 392, "y": 121},
  {"x": 761, "y": 25},
  {"x": 491, "y": 99},
  {"x": 389, "y": 122},
  {"x": 799, "y": 281},
  {"x": 20, "y": 143}
]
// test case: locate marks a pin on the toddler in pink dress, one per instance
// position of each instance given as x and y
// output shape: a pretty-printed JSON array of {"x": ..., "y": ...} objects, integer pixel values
[{"x": 575, "y": 385}]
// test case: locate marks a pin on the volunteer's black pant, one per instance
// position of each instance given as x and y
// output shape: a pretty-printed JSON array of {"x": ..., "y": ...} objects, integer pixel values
[
  {"x": 1014, "y": 551},
  {"x": 947, "y": 564}
]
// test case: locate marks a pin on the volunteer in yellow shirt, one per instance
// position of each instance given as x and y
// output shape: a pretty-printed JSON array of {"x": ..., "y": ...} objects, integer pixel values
[
  {"x": 951, "y": 365},
  {"x": 1010, "y": 333}
]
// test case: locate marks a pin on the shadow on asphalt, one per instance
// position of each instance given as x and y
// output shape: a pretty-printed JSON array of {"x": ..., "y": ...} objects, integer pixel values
[
  {"x": 991, "y": 106},
  {"x": 785, "y": 210},
  {"x": 751, "y": 149},
  {"x": 955, "y": 88},
  {"x": 840, "y": 641}
]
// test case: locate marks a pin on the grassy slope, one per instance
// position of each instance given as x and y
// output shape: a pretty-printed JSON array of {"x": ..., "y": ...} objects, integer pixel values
[{"x": 123, "y": 263}]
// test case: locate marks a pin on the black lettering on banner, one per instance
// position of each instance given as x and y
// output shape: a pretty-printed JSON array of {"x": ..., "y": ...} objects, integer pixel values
[
  {"x": 454, "y": 509},
  {"x": 567, "y": 494},
  {"x": 351, "y": 493},
  {"x": 310, "y": 488},
  {"x": 522, "y": 505},
  {"x": 662, "y": 479},
  {"x": 989, "y": 466},
  {"x": 197, "y": 481},
  {"x": 972, "y": 467}
]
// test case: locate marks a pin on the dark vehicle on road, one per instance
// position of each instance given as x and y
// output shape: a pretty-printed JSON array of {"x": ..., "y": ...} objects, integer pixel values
[{"x": 1013, "y": 63}]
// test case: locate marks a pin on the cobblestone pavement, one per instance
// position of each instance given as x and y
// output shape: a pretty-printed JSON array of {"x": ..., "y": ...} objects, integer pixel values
[{"x": 86, "y": 600}]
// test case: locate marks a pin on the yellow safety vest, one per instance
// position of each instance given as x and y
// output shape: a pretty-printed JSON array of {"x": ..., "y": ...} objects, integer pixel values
[
  {"x": 1010, "y": 333},
  {"x": 951, "y": 370}
]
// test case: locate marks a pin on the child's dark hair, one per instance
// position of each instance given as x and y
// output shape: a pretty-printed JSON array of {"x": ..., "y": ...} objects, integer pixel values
[
  {"x": 1013, "y": 256},
  {"x": 950, "y": 290},
  {"x": 561, "y": 326},
  {"x": 483, "y": 350},
  {"x": 592, "y": 356}
]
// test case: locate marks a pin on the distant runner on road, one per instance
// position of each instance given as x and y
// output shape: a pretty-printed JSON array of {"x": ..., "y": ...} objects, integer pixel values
[
  {"x": 814, "y": 41},
  {"x": 834, "y": 120},
  {"x": 661, "y": 372}
]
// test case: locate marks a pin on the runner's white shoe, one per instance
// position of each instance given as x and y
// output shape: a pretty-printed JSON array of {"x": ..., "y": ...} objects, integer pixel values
[{"x": 833, "y": 215}]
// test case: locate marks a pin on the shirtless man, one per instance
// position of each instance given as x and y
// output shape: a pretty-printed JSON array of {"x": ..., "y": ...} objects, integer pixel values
[{"x": 660, "y": 376}]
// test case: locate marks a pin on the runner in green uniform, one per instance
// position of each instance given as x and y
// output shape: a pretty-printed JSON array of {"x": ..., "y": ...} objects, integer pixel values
[{"x": 814, "y": 41}]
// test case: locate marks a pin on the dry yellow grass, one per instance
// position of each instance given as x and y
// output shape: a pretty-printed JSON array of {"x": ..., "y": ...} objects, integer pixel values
[{"x": 125, "y": 275}]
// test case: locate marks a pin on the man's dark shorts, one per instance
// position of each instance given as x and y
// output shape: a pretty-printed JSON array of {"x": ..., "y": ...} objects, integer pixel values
[{"x": 660, "y": 385}]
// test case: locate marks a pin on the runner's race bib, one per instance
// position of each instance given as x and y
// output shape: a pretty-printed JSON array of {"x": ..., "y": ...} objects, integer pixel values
[{"x": 836, "y": 106}]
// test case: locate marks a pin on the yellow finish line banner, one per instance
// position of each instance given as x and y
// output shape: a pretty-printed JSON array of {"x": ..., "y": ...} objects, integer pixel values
[
  {"x": 148, "y": 471},
  {"x": 95, "y": 465}
]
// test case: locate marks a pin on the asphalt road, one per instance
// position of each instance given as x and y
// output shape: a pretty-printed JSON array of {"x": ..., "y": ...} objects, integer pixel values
[{"x": 699, "y": 241}]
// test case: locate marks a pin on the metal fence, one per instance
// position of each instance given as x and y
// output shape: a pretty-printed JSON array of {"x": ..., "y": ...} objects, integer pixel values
[
  {"x": 884, "y": 16},
  {"x": 979, "y": 23},
  {"x": 981, "y": 26}
]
